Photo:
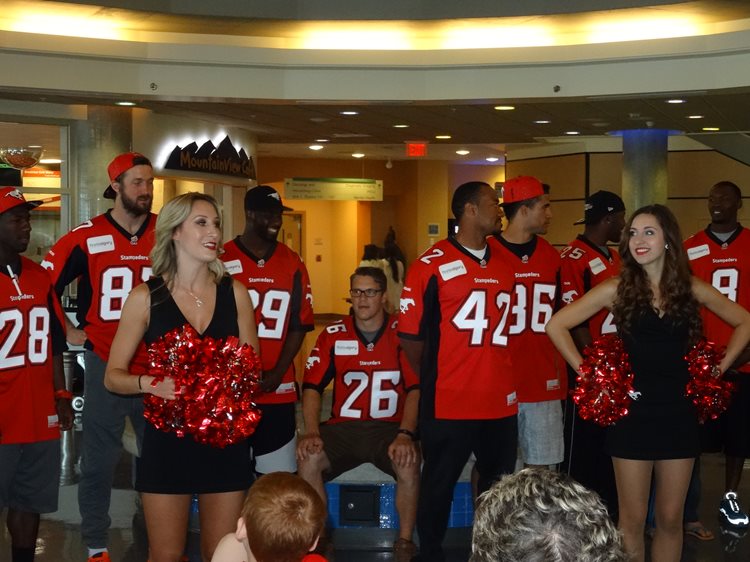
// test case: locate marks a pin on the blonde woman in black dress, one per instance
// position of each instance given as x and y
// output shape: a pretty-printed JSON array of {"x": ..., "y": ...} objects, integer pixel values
[
  {"x": 655, "y": 302},
  {"x": 189, "y": 287}
]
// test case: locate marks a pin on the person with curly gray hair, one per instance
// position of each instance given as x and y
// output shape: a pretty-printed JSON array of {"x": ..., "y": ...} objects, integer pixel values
[{"x": 537, "y": 515}]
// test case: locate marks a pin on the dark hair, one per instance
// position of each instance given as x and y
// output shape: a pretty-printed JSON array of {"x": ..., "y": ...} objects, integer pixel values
[
  {"x": 137, "y": 161},
  {"x": 372, "y": 252},
  {"x": 634, "y": 295},
  {"x": 511, "y": 209},
  {"x": 731, "y": 185},
  {"x": 377, "y": 274},
  {"x": 466, "y": 193},
  {"x": 394, "y": 254}
]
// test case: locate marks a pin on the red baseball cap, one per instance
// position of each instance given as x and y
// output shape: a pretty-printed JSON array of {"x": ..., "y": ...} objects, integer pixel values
[
  {"x": 522, "y": 188},
  {"x": 119, "y": 166},
  {"x": 11, "y": 197}
]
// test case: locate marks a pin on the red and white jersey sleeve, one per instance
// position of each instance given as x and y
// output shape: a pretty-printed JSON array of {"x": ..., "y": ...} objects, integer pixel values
[
  {"x": 279, "y": 287},
  {"x": 583, "y": 267},
  {"x": 31, "y": 333},
  {"x": 459, "y": 307},
  {"x": 370, "y": 381},
  {"x": 540, "y": 371},
  {"x": 726, "y": 266},
  {"x": 108, "y": 262}
]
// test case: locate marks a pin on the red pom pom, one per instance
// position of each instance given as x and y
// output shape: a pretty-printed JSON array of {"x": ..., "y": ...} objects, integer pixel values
[
  {"x": 605, "y": 382},
  {"x": 218, "y": 380},
  {"x": 710, "y": 394}
]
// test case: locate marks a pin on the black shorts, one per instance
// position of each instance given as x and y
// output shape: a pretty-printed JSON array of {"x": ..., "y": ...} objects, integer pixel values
[
  {"x": 350, "y": 444},
  {"x": 30, "y": 476},
  {"x": 731, "y": 431}
]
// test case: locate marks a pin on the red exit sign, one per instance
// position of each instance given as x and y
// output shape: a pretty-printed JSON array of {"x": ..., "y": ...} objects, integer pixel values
[{"x": 416, "y": 149}]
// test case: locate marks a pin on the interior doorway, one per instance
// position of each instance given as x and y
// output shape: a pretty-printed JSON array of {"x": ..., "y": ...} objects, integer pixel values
[{"x": 291, "y": 232}]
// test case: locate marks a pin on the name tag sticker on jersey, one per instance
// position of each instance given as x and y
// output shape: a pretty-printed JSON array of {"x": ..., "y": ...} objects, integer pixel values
[
  {"x": 553, "y": 384},
  {"x": 597, "y": 266},
  {"x": 346, "y": 347},
  {"x": 511, "y": 399},
  {"x": 52, "y": 421},
  {"x": 100, "y": 244},
  {"x": 698, "y": 252},
  {"x": 286, "y": 388},
  {"x": 233, "y": 267},
  {"x": 452, "y": 269}
]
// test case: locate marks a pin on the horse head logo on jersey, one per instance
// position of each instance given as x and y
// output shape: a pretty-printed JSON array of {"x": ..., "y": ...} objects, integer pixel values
[
  {"x": 311, "y": 361},
  {"x": 568, "y": 296},
  {"x": 404, "y": 304}
]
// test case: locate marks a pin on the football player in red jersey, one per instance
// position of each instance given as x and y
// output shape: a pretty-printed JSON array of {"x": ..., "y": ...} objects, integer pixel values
[
  {"x": 586, "y": 262},
  {"x": 720, "y": 255},
  {"x": 454, "y": 309},
  {"x": 375, "y": 402},
  {"x": 541, "y": 375},
  {"x": 34, "y": 404},
  {"x": 108, "y": 255},
  {"x": 279, "y": 287}
]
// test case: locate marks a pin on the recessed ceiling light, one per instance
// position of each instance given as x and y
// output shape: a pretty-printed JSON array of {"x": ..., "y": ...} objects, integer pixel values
[
  {"x": 401, "y": 126},
  {"x": 695, "y": 116},
  {"x": 321, "y": 140},
  {"x": 442, "y": 137},
  {"x": 125, "y": 103},
  {"x": 676, "y": 100},
  {"x": 315, "y": 147},
  {"x": 50, "y": 161},
  {"x": 572, "y": 132},
  {"x": 542, "y": 121},
  {"x": 710, "y": 129},
  {"x": 462, "y": 152},
  {"x": 349, "y": 112},
  {"x": 358, "y": 155},
  {"x": 35, "y": 146},
  {"x": 492, "y": 159},
  {"x": 505, "y": 107}
]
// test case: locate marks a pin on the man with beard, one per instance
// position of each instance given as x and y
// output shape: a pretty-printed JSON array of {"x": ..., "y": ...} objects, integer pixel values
[
  {"x": 108, "y": 255},
  {"x": 279, "y": 287},
  {"x": 34, "y": 404},
  {"x": 720, "y": 255}
]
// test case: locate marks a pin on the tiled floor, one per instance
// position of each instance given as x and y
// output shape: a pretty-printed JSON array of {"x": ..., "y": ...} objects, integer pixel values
[{"x": 59, "y": 538}]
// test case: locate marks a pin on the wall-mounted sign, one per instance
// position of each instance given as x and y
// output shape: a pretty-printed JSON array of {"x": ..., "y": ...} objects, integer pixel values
[
  {"x": 224, "y": 159},
  {"x": 416, "y": 149},
  {"x": 40, "y": 173},
  {"x": 333, "y": 189}
]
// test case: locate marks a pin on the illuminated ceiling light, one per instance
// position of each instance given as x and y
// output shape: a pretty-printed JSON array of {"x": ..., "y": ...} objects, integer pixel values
[
  {"x": 321, "y": 140},
  {"x": 492, "y": 159},
  {"x": 57, "y": 22},
  {"x": 710, "y": 129},
  {"x": 462, "y": 152},
  {"x": 125, "y": 103},
  {"x": 496, "y": 36},
  {"x": 50, "y": 161},
  {"x": 358, "y": 155},
  {"x": 442, "y": 137},
  {"x": 401, "y": 126},
  {"x": 34, "y": 146},
  {"x": 315, "y": 147},
  {"x": 349, "y": 112},
  {"x": 572, "y": 132},
  {"x": 695, "y": 116},
  {"x": 351, "y": 36},
  {"x": 676, "y": 101},
  {"x": 638, "y": 28},
  {"x": 505, "y": 107},
  {"x": 542, "y": 121}
]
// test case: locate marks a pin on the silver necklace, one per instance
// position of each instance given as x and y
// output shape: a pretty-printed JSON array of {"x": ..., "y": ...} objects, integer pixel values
[{"x": 198, "y": 301}]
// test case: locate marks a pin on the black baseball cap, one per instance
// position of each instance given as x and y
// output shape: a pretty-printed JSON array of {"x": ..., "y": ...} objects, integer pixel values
[
  {"x": 264, "y": 198},
  {"x": 599, "y": 205}
]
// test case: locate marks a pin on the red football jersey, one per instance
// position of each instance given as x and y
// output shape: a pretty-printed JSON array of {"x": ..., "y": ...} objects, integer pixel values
[
  {"x": 108, "y": 262},
  {"x": 539, "y": 368},
  {"x": 726, "y": 265},
  {"x": 370, "y": 381},
  {"x": 584, "y": 266},
  {"x": 459, "y": 306},
  {"x": 279, "y": 287},
  {"x": 31, "y": 333}
]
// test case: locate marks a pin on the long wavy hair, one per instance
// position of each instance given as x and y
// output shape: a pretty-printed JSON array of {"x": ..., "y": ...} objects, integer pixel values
[
  {"x": 634, "y": 295},
  {"x": 172, "y": 215}
]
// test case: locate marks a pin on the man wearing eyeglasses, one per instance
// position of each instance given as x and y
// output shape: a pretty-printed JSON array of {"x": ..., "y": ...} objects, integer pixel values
[
  {"x": 375, "y": 401},
  {"x": 279, "y": 286}
]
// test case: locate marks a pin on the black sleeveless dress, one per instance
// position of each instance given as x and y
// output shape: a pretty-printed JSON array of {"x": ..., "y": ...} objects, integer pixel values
[
  {"x": 179, "y": 465},
  {"x": 662, "y": 423}
]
